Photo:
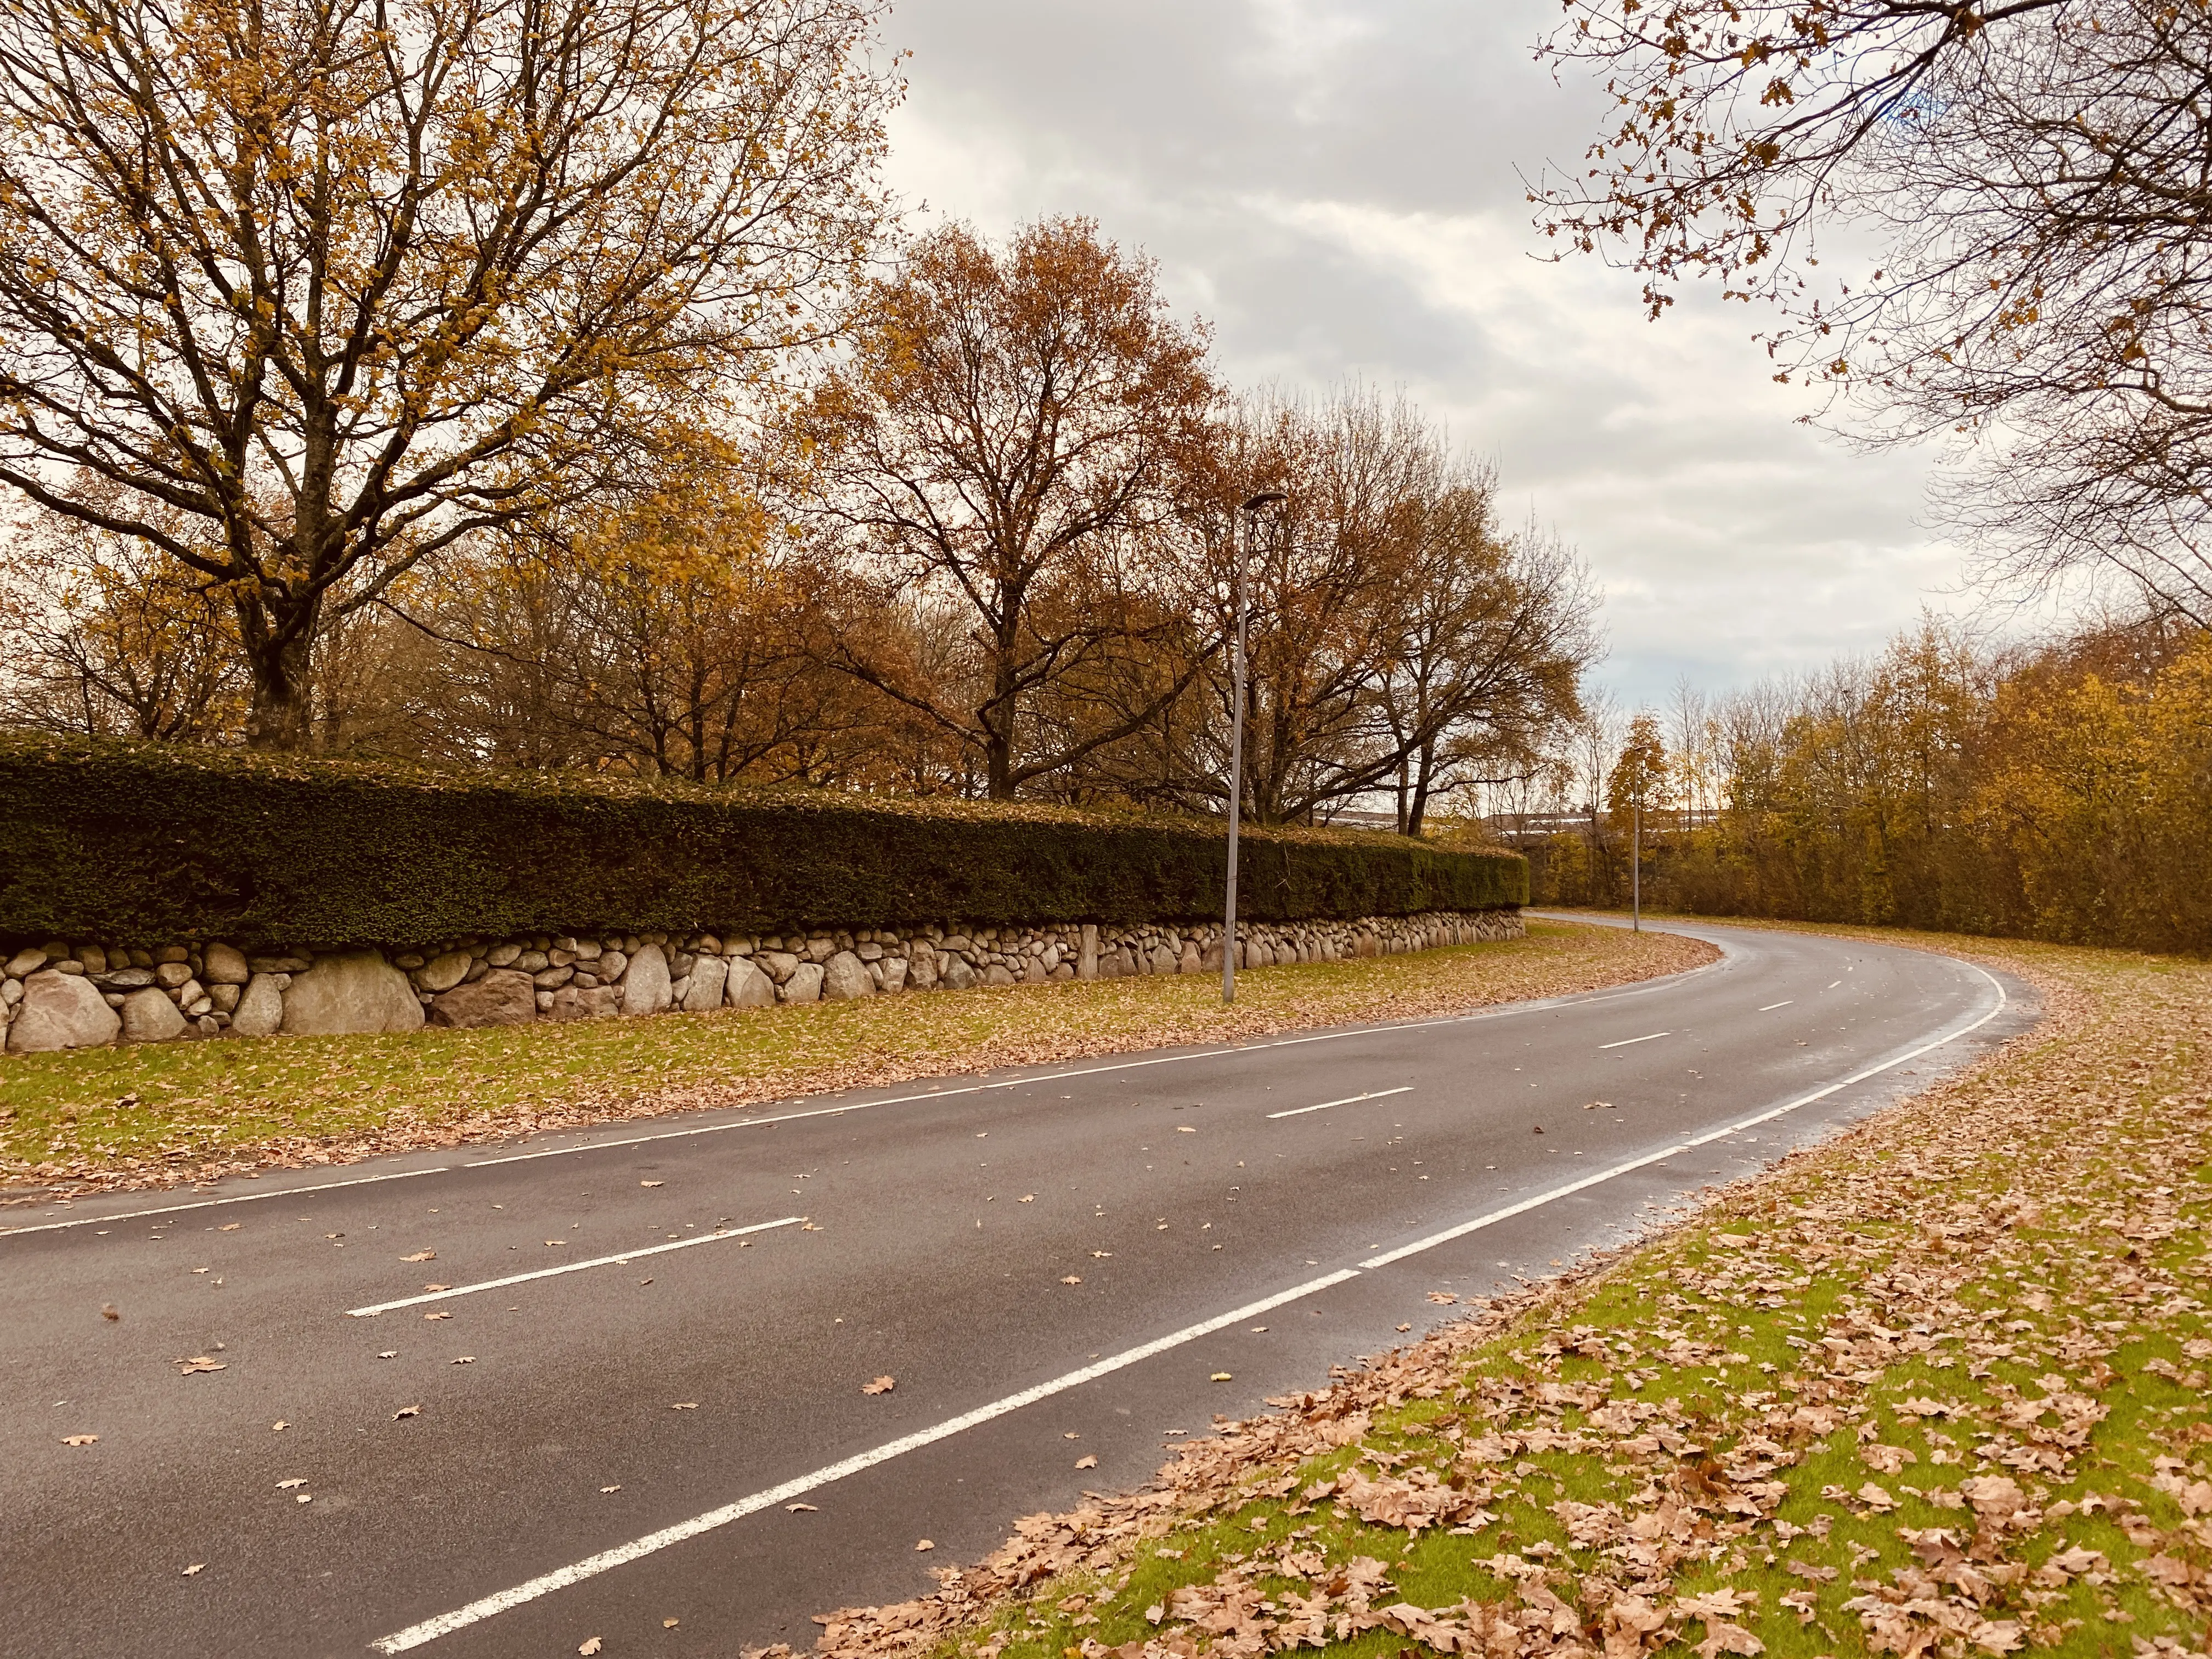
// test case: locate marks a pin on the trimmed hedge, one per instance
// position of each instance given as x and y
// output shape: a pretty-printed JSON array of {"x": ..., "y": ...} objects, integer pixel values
[{"x": 147, "y": 844}]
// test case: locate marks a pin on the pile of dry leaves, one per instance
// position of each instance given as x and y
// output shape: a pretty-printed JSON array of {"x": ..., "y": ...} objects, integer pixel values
[{"x": 1937, "y": 1388}]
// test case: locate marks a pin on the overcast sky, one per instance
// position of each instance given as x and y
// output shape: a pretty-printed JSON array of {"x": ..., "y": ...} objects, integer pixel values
[{"x": 1336, "y": 185}]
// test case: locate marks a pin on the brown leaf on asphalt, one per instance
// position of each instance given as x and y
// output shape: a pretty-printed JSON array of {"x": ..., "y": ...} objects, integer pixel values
[
  {"x": 439, "y": 1314},
  {"x": 925, "y": 1544},
  {"x": 421, "y": 1255},
  {"x": 1443, "y": 1298},
  {"x": 881, "y": 1385},
  {"x": 1026, "y": 1198},
  {"x": 108, "y": 1311},
  {"x": 1089, "y": 1463},
  {"x": 297, "y": 1480},
  {"x": 589, "y": 1646},
  {"x": 389, "y": 1354},
  {"x": 800, "y": 1509},
  {"x": 465, "y": 1360},
  {"x": 670, "y": 1624},
  {"x": 200, "y": 1363},
  {"x": 1071, "y": 1278},
  {"x": 609, "y": 1489},
  {"x": 1185, "y": 1129},
  {"x": 1221, "y": 1376},
  {"x": 80, "y": 1440},
  {"x": 279, "y": 1425},
  {"x": 551, "y": 1242},
  {"x": 197, "y": 1566},
  {"x": 1404, "y": 1328},
  {"x": 230, "y": 1228},
  {"x": 685, "y": 1406},
  {"x": 406, "y": 1411},
  {"x": 437, "y": 1287},
  {"x": 654, "y": 1183}
]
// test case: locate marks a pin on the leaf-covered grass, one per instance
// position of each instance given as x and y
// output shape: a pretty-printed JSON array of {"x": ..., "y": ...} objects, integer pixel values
[
  {"x": 163, "y": 1112},
  {"x": 1940, "y": 1388}
]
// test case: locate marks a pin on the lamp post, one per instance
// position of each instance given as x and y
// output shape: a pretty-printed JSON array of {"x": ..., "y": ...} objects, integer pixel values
[{"x": 1239, "y": 553}]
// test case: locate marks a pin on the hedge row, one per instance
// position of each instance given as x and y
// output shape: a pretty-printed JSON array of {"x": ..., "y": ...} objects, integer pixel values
[{"x": 152, "y": 844}]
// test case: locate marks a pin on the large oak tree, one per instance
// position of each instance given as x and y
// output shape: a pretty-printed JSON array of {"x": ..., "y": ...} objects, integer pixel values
[{"x": 303, "y": 292}]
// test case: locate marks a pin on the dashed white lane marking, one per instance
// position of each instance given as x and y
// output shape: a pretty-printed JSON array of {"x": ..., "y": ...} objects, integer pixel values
[
  {"x": 1626, "y": 1041},
  {"x": 1543, "y": 1005},
  {"x": 452, "y": 1291},
  {"x": 1372, "y": 1094},
  {"x": 445, "y": 1624},
  {"x": 1771, "y": 1007}
]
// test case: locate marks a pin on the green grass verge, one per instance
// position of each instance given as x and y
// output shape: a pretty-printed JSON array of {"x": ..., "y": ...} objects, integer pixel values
[
  {"x": 156, "y": 1111},
  {"x": 1940, "y": 1388}
]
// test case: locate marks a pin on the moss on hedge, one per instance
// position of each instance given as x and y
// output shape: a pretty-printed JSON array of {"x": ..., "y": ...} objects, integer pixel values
[{"x": 145, "y": 844}]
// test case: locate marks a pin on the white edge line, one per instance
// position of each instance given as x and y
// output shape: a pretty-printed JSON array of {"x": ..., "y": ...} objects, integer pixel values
[
  {"x": 1372, "y": 1094},
  {"x": 430, "y": 1630},
  {"x": 571, "y": 1268},
  {"x": 214, "y": 1203},
  {"x": 1652, "y": 1037},
  {"x": 446, "y": 1624},
  {"x": 1495, "y": 1011}
]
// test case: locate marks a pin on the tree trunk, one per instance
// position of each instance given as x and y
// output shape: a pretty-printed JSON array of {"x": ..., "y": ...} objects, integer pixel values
[{"x": 279, "y": 653}]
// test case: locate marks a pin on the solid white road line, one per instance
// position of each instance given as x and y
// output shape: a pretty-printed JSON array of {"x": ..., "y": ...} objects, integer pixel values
[
  {"x": 445, "y": 1624},
  {"x": 430, "y": 1630},
  {"x": 213, "y": 1203},
  {"x": 1372, "y": 1094},
  {"x": 570, "y": 1267},
  {"x": 1626, "y": 1042},
  {"x": 1503, "y": 1011},
  {"x": 1771, "y": 1007}
]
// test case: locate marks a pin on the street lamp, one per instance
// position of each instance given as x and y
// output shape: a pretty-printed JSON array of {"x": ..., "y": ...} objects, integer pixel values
[{"x": 1251, "y": 510}]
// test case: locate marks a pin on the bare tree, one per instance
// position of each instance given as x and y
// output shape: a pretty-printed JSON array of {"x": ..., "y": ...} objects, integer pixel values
[
  {"x": 2025, "y": 180},
  {"x": 338, "y": 284},
  {"x": 1013, "y": 438}
]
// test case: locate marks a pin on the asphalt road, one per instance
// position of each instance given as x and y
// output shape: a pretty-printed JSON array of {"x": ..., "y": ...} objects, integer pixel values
[{"x": 1052, "y": 1266}]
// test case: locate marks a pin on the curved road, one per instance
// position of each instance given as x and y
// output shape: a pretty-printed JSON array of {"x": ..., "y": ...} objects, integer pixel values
[{"x": 618, "y": 1389}]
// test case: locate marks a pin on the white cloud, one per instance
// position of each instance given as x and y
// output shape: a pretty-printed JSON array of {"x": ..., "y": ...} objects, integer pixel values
[{"x": 1338, "y": 188}]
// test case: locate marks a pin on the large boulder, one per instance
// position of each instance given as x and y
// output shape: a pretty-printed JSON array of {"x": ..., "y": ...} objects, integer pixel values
[
  {"x": 805, "y": 984},
  {"x": 505, "y": 996},
  {"x": 955, "y": 972},
  {"x": 260, "y": 1011},
  {"x": 704, "y": 993},
  {"x": 62, "y": 1011},
  {"x": 148, "y": 1016},
  {"x": 645, "y": 986},
  {"x": 845, "y": 977},
  {"x": 586, "y": 1002},
  {"x": 893, "y": 969},
  {"x": 353, "y": 992},
  {"x": 224, "y": 964},
  {"x": 748, "y": 987}
]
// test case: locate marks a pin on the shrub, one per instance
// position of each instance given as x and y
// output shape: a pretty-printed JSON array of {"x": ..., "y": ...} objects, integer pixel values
[{"x": 145, "y": 844}]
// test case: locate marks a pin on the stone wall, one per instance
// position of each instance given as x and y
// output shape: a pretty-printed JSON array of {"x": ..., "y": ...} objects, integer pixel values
[{"x": 64, "y": 995}]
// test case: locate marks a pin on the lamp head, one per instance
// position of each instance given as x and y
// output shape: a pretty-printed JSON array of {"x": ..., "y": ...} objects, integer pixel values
[{"x": 1265, "y": 498}]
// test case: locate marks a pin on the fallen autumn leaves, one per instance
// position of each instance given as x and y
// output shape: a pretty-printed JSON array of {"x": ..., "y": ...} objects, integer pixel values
[{"x": 1939, "y": 1388}]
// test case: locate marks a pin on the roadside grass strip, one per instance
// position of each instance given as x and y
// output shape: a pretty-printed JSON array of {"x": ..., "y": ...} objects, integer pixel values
[
  {"x": 1941, "y": 1388},
  {"x": 161, "y": 1114}
]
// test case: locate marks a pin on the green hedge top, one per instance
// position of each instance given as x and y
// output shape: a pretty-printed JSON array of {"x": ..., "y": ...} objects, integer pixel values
[{"x": 149, "y": 844}]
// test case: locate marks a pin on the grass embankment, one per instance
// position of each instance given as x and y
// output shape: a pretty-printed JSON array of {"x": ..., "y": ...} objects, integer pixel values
[
  {"x": 1938, "y": 1387},
  {"x": 155, "y": 1114}
]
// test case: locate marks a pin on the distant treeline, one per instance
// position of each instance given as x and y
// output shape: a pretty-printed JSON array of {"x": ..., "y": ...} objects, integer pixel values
[{"x": 2062, "y": 792}]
